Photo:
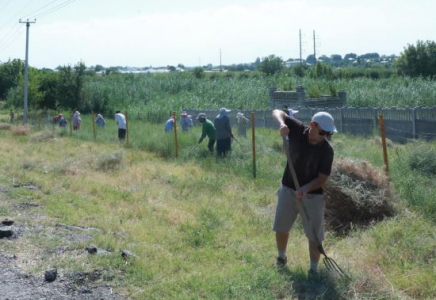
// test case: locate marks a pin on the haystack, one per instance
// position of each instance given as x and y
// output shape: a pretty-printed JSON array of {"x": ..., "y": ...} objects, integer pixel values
[{"x": 357, "y": 194}]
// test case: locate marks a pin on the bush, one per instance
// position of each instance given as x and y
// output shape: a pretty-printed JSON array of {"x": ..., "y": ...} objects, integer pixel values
[
  {"x": 111, "y": 161},
  {"x": 423, "y": 160}
]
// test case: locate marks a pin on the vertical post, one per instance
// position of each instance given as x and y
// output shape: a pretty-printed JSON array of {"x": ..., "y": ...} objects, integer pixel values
[
  {"x": 175, "y": 134},
  {"x": 385, "y": 150},
  {"x": 71, "y": 123},
  {"x": 26, "y": 71},
  {"x": 342, "y": 119},
  {"x": 93, "y": 126},
  {"x": 253, "y": 143},
  {"x": 127, "y": 127},
  {"x": 414, "y": 123}
]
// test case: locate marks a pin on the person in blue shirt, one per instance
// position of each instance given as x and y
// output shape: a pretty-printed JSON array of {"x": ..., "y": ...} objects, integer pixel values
[
  {"x": 169, "y": 125},
  {"x": 185, "y": 122}
]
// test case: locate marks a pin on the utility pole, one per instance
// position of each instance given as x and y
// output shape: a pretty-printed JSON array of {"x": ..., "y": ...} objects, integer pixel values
[
  {"x": 26, "y": 71},
  {"x": 314, "y": 45},
  {"x": 301, "y": 51}
]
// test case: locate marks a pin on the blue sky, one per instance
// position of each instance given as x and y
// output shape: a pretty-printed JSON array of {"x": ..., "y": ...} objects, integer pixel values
[{"x": 192, "y": 32}]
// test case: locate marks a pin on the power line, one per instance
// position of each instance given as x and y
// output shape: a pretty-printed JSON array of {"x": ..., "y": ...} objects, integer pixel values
[
  {"x": 7, "y": 2},
  {"x": 38, "y": 10},
  {"x": 55, "y": 8},
  {"x": 10, "y": 38},
  {"x": 16, "y": 15}
]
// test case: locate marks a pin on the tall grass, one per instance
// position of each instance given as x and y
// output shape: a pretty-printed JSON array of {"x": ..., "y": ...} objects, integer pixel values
[{"x": 167, "y": 92}]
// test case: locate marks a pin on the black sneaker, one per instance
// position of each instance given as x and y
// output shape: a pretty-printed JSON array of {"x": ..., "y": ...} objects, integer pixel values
[
  {"x": 312, "y": 274},
  {"x": 281, "y": 262}
]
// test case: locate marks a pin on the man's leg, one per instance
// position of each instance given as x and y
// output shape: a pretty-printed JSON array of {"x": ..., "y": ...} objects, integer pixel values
[{"x": 314, "y": 256}]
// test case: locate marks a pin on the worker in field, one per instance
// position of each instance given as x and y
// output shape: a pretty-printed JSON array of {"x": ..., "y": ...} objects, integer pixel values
[
  {"x": 185, "y": 122},
  {"x": 312, "y": 157},
  {"x": 11, "y": 116},
  {"x": 208, "y": 129},
  {"x": 169, "y": 124},
  {"x": 242, "y": 124},
  {"x": 77, "y": 120},
  {"x": 122, "y": 125},
  {"x": 100, "y": 121},
  {"x": 223, "y": 133}
]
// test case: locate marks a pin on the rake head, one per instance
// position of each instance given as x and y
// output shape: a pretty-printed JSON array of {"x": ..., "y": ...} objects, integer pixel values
[{"x": 333, "y": 267}]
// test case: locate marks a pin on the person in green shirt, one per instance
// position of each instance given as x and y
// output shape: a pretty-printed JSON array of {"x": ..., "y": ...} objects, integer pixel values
[{"x": 208, "y": 130}]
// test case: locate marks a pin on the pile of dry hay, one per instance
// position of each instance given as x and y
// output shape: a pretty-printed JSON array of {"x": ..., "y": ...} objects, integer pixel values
[{"x": 357, "y": 194}]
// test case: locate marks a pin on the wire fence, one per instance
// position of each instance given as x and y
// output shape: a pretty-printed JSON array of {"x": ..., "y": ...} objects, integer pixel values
[{"x": 401, "y": 124}]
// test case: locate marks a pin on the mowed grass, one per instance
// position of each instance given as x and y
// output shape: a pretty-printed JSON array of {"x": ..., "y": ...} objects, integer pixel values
[{"x": 201, "y": 228}]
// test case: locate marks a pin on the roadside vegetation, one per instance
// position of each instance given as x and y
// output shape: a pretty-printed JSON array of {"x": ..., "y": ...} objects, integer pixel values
[{"x": 201, "y": 228}]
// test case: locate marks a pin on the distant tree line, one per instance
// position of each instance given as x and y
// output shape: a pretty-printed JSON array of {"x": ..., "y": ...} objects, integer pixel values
[{"x": 64, "y": 87}]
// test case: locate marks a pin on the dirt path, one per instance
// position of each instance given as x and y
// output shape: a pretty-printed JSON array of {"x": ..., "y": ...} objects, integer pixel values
[{"x": 23, "y": 253}]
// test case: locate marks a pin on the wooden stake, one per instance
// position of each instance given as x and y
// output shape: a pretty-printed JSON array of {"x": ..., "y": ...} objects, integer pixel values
[
  {"x": 127, "y": 127},
  {"x": 93, "y": 126},
  {"x": 385, "y": 149},
  {"x": 175, "y": 134},
  {"x": 253, "y": 143}
]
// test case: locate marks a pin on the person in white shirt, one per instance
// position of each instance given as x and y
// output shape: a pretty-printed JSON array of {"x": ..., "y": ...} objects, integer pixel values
[{"x": 121, "y": 121}]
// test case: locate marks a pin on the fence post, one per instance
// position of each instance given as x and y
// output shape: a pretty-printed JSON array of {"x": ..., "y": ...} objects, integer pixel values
[
  {"x": 71, "y": 123},
  {"x": 127, "y": 127},
  {"x": 375, "y": 118},
  {"x": 342, "y": 119},
  {"x": 175, "y": 134},
  {"x": 253, "y": 143},
  {"x": 385, "y": 150},
  {"x": 93, "y": 126},
  {"x": 414, "y": 123}
]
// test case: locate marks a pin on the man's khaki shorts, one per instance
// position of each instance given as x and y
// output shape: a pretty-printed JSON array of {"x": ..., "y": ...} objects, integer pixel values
[{"x": 288, "y": 208}]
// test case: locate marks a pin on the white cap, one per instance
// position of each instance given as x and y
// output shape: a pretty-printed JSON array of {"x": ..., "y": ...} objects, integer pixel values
[
  {"x": 325, "y": 121},
  {"x": 291, "y": 111}
]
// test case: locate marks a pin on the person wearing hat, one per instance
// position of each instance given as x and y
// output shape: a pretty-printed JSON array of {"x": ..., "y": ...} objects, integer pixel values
[
  {"x": 184, "y": 121},
  {"x": 100, "y": 121},
  {"x": 77, "y": 120},
  {"x": 208, "y": 129},
  {"x": 312, "y": 157},
  {"x": 223, "y": 132},
  {"x": 242, "y": 124}
]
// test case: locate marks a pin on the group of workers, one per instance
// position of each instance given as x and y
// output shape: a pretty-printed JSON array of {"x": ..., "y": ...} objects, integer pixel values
[{"x": 219, "y": 130}]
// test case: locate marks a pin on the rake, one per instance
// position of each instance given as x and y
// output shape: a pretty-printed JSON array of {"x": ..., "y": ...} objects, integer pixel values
[{"x": 329, "y": 262}]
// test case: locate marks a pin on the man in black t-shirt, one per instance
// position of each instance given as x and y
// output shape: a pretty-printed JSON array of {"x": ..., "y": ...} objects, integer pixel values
[{"x": 312, "y": 158}]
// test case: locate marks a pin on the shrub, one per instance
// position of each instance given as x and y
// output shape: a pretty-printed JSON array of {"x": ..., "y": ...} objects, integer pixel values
[
  {"x": 5, "y": 126},
  {"x": 20, "y": 130},
  {"x": 423, "y": 160},
  {"x": 111, "y": 161}
]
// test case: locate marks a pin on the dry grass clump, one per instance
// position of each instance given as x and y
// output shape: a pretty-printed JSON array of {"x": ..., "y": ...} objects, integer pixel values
[
  {"x": 357, "y": 194},
  {"x": 110, "y": 161},
  {"x": 42, "y": 136},
  {"x": 20, "y": 130},
  {"x": 5, "y": 126}
]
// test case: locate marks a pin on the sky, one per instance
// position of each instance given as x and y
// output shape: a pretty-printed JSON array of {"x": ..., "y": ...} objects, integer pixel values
[{"x": 144, "y": 33}]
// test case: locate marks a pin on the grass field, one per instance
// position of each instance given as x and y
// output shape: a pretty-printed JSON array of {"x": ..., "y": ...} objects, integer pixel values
[{"x": 201, "y": 228}]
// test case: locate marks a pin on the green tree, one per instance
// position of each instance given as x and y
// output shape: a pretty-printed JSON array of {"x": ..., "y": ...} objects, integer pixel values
[
  {"x": 10, "y": 74},
  {"x": 70, "y": 86},
  {"x": 311, "y": 59},
  {"x": 419, "y": 60},
  {"x": 48, "y": 87},
  {"x": 198, "y": 72},
  {"x": 271, "y": 65}
]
